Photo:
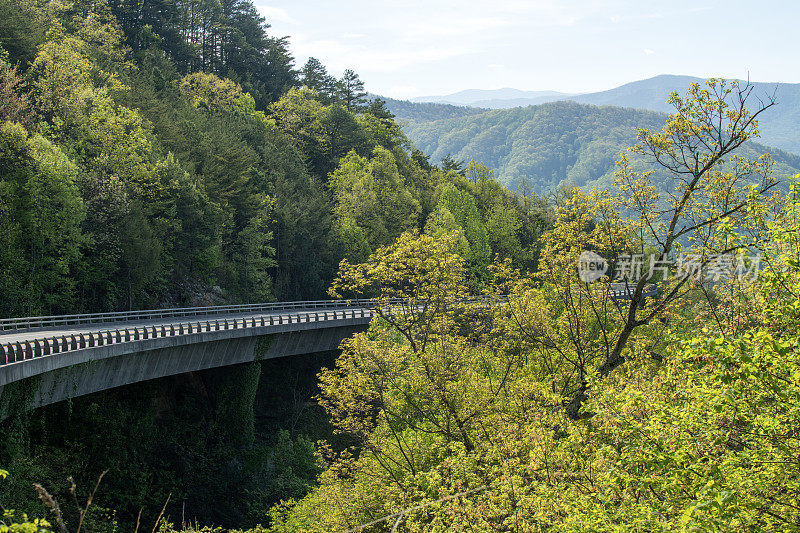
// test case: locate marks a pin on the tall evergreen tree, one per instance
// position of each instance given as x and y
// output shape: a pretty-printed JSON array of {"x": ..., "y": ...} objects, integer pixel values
[
  {"x": 315, "y": 76},
  {"x": 377, "y": 108},
  {"x": 456, "y": 165},
  {"x": 351, "y": 91},
  {"x": 225, "y": 37}
]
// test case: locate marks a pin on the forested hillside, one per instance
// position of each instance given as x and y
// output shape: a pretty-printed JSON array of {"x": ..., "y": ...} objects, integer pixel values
[
  {"x": 778, "y": 128},
  {"x": 537, "y": 148},
  {"x": 171, "y": 152},
  {"x": 413, "y": 112}
]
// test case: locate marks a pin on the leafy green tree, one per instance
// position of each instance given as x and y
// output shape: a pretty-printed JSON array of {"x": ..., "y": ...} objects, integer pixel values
[
  {"x": 351, "y": 238},
  {"x": 115, "y": 138},
  {"x": 502, "y": 228},
  {"x": 381, "y": 132},
  {"x": 299, "y": 114},
  {"x": 477, "y": 172},
  {"x": 373, "y": 194},
  {"x": 709, "y": 124},
  {"x": 212, "y": 92},
  {"x": 41, "y": 216},
  {"x": 441, "y": 223},
  {"x": 462, "y": 206}
]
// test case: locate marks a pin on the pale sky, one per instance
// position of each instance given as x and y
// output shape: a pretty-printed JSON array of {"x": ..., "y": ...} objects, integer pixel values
[{"x": 404, "y": 49}]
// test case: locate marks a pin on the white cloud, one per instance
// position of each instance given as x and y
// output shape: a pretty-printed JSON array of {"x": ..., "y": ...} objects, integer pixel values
[
  {"x": 635, "y": 17},
  {"x": 365, "y": 57},
  {"x": 648, "y": 52},
  {"x": 274, "y": 14},
  {"x": 456, "y": 27}
]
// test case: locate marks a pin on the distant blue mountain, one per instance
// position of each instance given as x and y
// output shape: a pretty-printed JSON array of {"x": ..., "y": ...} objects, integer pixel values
[
  {"x": 494, "y": 98},
  {"x": 540, "y": 147},
  {"x": 780, "y": 126}
]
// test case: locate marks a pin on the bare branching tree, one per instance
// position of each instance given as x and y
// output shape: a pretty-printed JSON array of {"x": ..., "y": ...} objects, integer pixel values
[
  {"x": 681, "y": 191},
  {"x": 708, "y": 190}
]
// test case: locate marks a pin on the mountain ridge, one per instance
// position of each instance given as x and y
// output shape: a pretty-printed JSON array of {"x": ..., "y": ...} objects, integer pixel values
[
  {"x": 540, "y": 147},
  {"x": 778, "y": 129},
  {"x": 473, "y": 96}
]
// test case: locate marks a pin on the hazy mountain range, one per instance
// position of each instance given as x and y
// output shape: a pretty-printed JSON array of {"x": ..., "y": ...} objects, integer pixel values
[
  {"x": 538, "y": 147},
  {"x": 495, "y": 98},
  {"x": 780, "y": 126}
]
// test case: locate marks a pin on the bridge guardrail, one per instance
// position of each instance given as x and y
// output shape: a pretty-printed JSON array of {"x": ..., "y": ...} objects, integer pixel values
[
  {"x": 22, "y": 350},
  {"x": 12, "y": 352},
  {"x": 38, "y": 322},
  {"x": 649, "y": 291}
]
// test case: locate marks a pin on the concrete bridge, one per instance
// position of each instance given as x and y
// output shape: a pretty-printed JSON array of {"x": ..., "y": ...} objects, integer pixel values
[{"x": 61, "y": 357}]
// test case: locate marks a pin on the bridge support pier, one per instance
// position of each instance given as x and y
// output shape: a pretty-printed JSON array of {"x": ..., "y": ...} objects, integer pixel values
[{"x": 234, "y": 390}]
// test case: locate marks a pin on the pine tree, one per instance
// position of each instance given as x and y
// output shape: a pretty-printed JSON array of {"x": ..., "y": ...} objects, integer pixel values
[
  {"x": 449, "y": 164},
  {"x": 351, "y": 91},
  {"x": 377, "y": 108},
  {"x": 315, "y": 76}
]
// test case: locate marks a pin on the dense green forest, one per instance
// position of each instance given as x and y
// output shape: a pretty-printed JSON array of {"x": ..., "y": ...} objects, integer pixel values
[
  {"x": 539, "y": 148},
  {"x": 170, "y": 152},
  {"x": 566, "y": 408},
  {"x": 778, "y": 128},
  {"x": 413, "y": 112}
]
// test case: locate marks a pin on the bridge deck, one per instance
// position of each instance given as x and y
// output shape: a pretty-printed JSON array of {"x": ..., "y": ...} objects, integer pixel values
[
  {"x": 23, "y": 339},
  {"x": 235, "y": 319},
  {"x": 79, "y": 358}
]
